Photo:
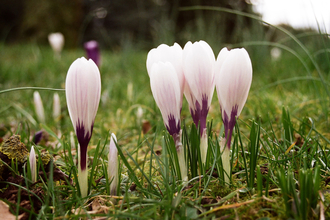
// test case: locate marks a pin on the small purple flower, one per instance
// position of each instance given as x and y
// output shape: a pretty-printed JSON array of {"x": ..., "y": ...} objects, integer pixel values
[
  {"x": 37, "y": 137},
  {"x": 93, "y": 51},
  {"x": 83, "y": 91},
  {"x": 233, "y": 80}
]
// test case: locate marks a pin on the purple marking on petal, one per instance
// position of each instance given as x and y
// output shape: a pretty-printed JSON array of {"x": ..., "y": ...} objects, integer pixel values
[
  {"x": 229, "y": 125},
  {"x": 83, "y": 140},
  {"x": 200, "y": 114},
  {"x": 203, "y": 113},
  {"x": 173, "y": 127},
  {"x": 195, "y": 116}
]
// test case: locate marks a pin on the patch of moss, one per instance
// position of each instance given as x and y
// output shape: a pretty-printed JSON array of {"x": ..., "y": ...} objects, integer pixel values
[{"x": 14, "y": 149}]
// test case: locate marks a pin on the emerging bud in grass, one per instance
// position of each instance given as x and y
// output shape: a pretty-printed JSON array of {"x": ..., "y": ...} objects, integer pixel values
[
  {"x": 83, "y": 91},
  {"x": 39, "y": 107},
  {"x": 33, "y": 165},
  {"x": 37, "y": 137},
  {"x": 198, "y": 69},
  {"x": 93, "y": 52},
  {"x": 56, "y": 41},
  {"x": 113, "y": 165},
  {"x": 139, "y": 115},
  {"x": 233, "y": 80},
  {"x": 171, "y": 54},
  {"x": 56, "y": 106},
  {"x": 165, "y": 88}
]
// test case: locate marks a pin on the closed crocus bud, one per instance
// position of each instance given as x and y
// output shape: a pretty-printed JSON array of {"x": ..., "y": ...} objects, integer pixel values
[
  {"x": 233, "y": 77},
  {"x": 171, "y": 54},
  {"x": 56, "y": 41},
  {"x": 93, "y": 51},
  {"x": 83, "y": 91},
  {"x": 56, "y": 106},
  {"x": 39, "y": 107},
  {"x": 198, "y": 69},
  {"x": 165, "y": 88},
  {"x": 113, "y": 165},
  {"x": 33, "y": 165},
  {"x": 233, "y": 80}
]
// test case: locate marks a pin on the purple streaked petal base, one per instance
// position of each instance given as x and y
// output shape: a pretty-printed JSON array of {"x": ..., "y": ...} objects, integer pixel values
[
  {"x": 173, "y": 127},
  {"x": 229, "y": 125},
  {"x": 83, "y": 140},
  {"x": 200, "y": 114}
]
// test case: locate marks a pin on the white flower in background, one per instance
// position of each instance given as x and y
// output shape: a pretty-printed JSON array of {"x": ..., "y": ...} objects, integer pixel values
[
  {"x": 33, "y": 165},
  {"x": 56, "y": 41},
  {"x": 275, "y": 53},
  {"x": 198, "y": 69},
  {"x": 113, "y": 165},
  {"x": 39, "y": 107},
  {"x": 233, "y": 80},
  {"x": 56, "y": 106},
  {"x": 83, "y": 91}
]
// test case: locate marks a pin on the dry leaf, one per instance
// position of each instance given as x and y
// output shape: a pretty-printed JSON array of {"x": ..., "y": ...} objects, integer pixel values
[{"x": 5, "y": 213}]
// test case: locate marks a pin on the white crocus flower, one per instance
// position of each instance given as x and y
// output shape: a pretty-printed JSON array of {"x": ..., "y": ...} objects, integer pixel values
[
  {"x": 233, "y": 80},
  {"x": 83, "y": 91},
  {"x": 198, "y": 69},
  {"x": 165, "y": 88}
]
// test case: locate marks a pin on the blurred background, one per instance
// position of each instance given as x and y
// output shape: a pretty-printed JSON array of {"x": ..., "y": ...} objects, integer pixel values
[{"x": 117, "y": 24}]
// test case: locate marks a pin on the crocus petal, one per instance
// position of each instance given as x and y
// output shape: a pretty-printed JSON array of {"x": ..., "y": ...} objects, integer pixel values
[
  {"x": 92, "y": 50},
  {"x": 39, "y": 107},
  {"x": 166, "y": 91},
  {"x": 33, "y": 165},
  {"x": 233, "y": 81},
  {"x": 198, "y": 68},
  {"x": 83, "y": 91},
  {"x": 113, "y": 165},
  {"x": 172, "y": 54}
]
